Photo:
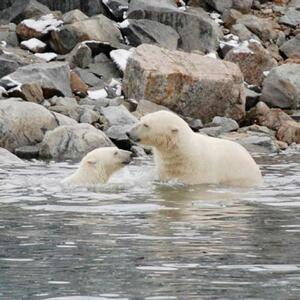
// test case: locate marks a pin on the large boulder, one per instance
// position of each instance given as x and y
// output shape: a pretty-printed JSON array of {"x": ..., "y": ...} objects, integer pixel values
[
  {"x": 8, "y": 35},
  {"x": 23, "y": 123},
  {"x": 281, "y": 88},
  {"x": 72, "y": 142},
  {"x": 143, "y": 31},
  {"x": 291, "y": 17},
  {"x": 98, "y": 28},
  {"x": 253, "y": 60},
  {"x": 53, "y": 78},
  {"x": 195, "y": 86},
  {"x": 197, "y": 31},
  {"x": 7, "y": 157},
  {"x": 291, "y": 48}
]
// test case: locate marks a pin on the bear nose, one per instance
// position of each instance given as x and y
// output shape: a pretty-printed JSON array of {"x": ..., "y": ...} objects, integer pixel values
[{"x": 128, "y": 134}]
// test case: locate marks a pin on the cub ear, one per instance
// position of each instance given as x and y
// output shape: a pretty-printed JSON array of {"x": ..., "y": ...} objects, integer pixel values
[
  {"x": 174, "y": 129},
  {"x": 91, "y": 161}
]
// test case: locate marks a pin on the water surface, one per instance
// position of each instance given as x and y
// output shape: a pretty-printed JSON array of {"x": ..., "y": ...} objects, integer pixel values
[{"x": 136, "y": 238}]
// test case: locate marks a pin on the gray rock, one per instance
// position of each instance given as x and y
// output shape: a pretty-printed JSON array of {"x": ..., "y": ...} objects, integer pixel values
[
  {"x": 291, "y": 48},
  {"x": 8, "y": 35},
  {"x": 53, "y": 78},
  {"x": 221, "y": 5},
  {"x": 243, "y": 32},
  {"x": 106, "y": 70},
  {"x": 252, "y": 98},
  {"x": 7, "y": 157},
  {"x": 281, "y": 88},
  {"x": 195, "y": 86},
  {"x": 89, "y": 78},
  {"x": 220, "y": 125},
  {"x": 294, "y": 3},
  {"x": 74, "y": 16},
  {"x": 72, "y": 142},
  {"x": 118, "y": 115},
  {"x": 117, "y": 7},
  {"x": 291, "y": 17},
  {"x": 8, "y": 65},
  {"x": 63, "y": 120},
  {"x": 196, "y": 29},
  {"x": 150, "y": 32},
  {"x": 23, "y": 123},
  {"x": 145, "y": 107},
  {"x": 80, "y": 56}
]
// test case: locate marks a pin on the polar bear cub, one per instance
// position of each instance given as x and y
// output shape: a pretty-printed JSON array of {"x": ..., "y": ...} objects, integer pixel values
[
  {"x": 98, "y": 165},
  {"x": 193, "y": 158}
]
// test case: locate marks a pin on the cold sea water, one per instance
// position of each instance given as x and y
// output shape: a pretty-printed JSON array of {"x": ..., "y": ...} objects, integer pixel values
[{"x": 137, "y": 238}]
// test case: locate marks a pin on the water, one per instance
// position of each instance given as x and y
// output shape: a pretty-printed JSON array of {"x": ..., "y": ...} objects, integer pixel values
[{"x": 136, "y": 238}]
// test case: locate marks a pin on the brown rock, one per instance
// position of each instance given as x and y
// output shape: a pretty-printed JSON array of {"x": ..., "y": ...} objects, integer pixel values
[
  {"x": 230, "y": 16},
  {"x": 253, "y": 61},
  {"x": 188, "y": 83},
  {"x": 31, "y": 92},
  {"x": 289, "y": 132},
  {"x": 77, "y": 85}
]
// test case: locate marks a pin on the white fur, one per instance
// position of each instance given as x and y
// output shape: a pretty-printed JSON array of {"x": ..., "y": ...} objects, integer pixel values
[
  {"x": 98, "y": 165},
  {"x": 193, "y": 158}
]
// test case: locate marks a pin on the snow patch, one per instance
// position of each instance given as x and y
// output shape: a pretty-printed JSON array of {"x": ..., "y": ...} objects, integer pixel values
[
  {"x": 117, "y": 86},
  {"x": 44, "y": 24},
  {"x": 47, "y": 56},
  {"x": 212, "y": 55},
  {"x": 124, "y": 24},
  {"x": 120, "y": 57},
  {"x": 97, "y": 94},
  {"x": 243, "y": 48},
  {"x": 3, "y": 44},
  {"x": 216, "y": 17},
  {"x": 12, "y": 84},
  {"x": 33, "y": 44}
]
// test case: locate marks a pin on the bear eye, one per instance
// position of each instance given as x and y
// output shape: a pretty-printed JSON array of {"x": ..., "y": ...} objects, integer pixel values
[
  {"x": 115, "y": 153},
  {"x": 146, "y": 125}
]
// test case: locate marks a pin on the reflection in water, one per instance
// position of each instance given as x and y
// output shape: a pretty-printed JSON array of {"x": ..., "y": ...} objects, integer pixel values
[{"x": 136, "y": 238}]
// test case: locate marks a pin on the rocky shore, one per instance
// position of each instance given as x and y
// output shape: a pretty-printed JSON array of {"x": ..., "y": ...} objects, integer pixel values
[{"x": 76, "y": 75}]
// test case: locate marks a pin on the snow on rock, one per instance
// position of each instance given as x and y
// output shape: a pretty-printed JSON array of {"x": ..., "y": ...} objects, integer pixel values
[
  {"x": 124, "y": 24},
  {"x": 211, "y": 55},
  {"x": 216, "y": 17},
  {"x": 34, "y": 45},
  {"x": 44, "y": 24},
  {"x": 120, "y": 57},
  {"x": 243, "y": 48},
  {"x": 11, "y": 84},
  {"x": 48, "y": 56},
  {"x": 117, "y": 86},
  {"x": 97, "y": 94}
]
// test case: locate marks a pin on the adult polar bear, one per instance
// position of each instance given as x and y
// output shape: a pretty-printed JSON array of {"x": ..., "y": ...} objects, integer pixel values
[{"x": 193, "y": 158}]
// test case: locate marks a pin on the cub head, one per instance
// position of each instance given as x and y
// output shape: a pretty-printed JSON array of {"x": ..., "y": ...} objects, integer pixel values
[
  {"x": 106, "y": 161},
  {"x": 159, "y": 129}
]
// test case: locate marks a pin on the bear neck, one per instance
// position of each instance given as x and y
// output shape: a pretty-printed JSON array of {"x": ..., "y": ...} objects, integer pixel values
[{"x": 95, "y": 175}]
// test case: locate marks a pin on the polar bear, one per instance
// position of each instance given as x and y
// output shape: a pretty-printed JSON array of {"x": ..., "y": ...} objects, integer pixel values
[
  {"x": 98, "y": 165},
  {"x": 193, "y": 158}
]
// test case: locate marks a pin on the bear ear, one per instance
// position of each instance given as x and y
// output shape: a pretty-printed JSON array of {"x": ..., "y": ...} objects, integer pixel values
[
  {"x": 174, "y": 129},
  {"x": 91, "y": 161}
]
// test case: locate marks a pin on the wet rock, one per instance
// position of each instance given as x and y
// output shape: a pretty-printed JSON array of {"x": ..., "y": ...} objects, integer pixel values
[
  {"x": 253, "y": 60},
  {"x": 53, "y": 78},
  {"x": 7, "y": 157},
  {"x": 291, "y": 17},
  {"x": 196, "y": 29},
  {"x": 197, "y": 86},
  {"x": 73, "y": 16},
  {"x": 220, "y": 125},
  {"x": 28, "y": 152},
  {"x": 72, "y": 142},
  {"x": 289, "y": 132},
  {"x": 144, "y": 31},
  {"x": 291, "y": 48},
  {"x": 98, "y": 28},
  {"x": 117, "y": 7},
  {"x": 38, "y": 28},
  {"x": 23, "y": 123},
  {"x": 281, "y": 88},
  {"x": 8, "y": 35}
]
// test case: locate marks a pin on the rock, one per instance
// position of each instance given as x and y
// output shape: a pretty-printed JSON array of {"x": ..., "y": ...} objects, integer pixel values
[
  {"x": 294, "y": 3},
  {"x": 53, "y": 78},
  {"x": 243, "y": 32},
  {"x": 98, "y": 28},
  {"x": 252, "y": 98},
  {"x": 253, "y": 60},
  {"x": 291, "y": 17},
  {"x": 291, "y": 48},
  {"x": 145, "y": 107},
  {"x": 78, "y": 87},
  {"x": 31, "y": 92},
  {"x": 90, "y": 7},
  {"x": 230, "y": 16},
  {"x": 8, "y": 35},
  {"x": 80, "y": 56},
  {"x": 117, "y": 7},
  {"x": 8, "y": 65},
  {"x": 196, "y": 86},
  {"x": 220, "y": 125},
  {"x": 72, "y": 142},
  {"x": 73, "y": 16},
  {"x": 281, "y": 88},
  {"x": 289, "y": 132},
  {"x": 28, "y": 152},
  {"x": 144, "y": 31},
  {"x": 89, "y": 78},
  {"x": 23, "y": 123},
  {"x": 34, "y": 45},
  {"x": 105, "y": 69},
  {"x": 38, "y": 28},
  {"x": 221, "y": 5},
  {"x": 63, "y": 120},
  {"x": 7, "y": 157},
  {"x": 263, "y": 28},
  {"x": 18, "y": 10},
  {"x": 197, "y": 31}
]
